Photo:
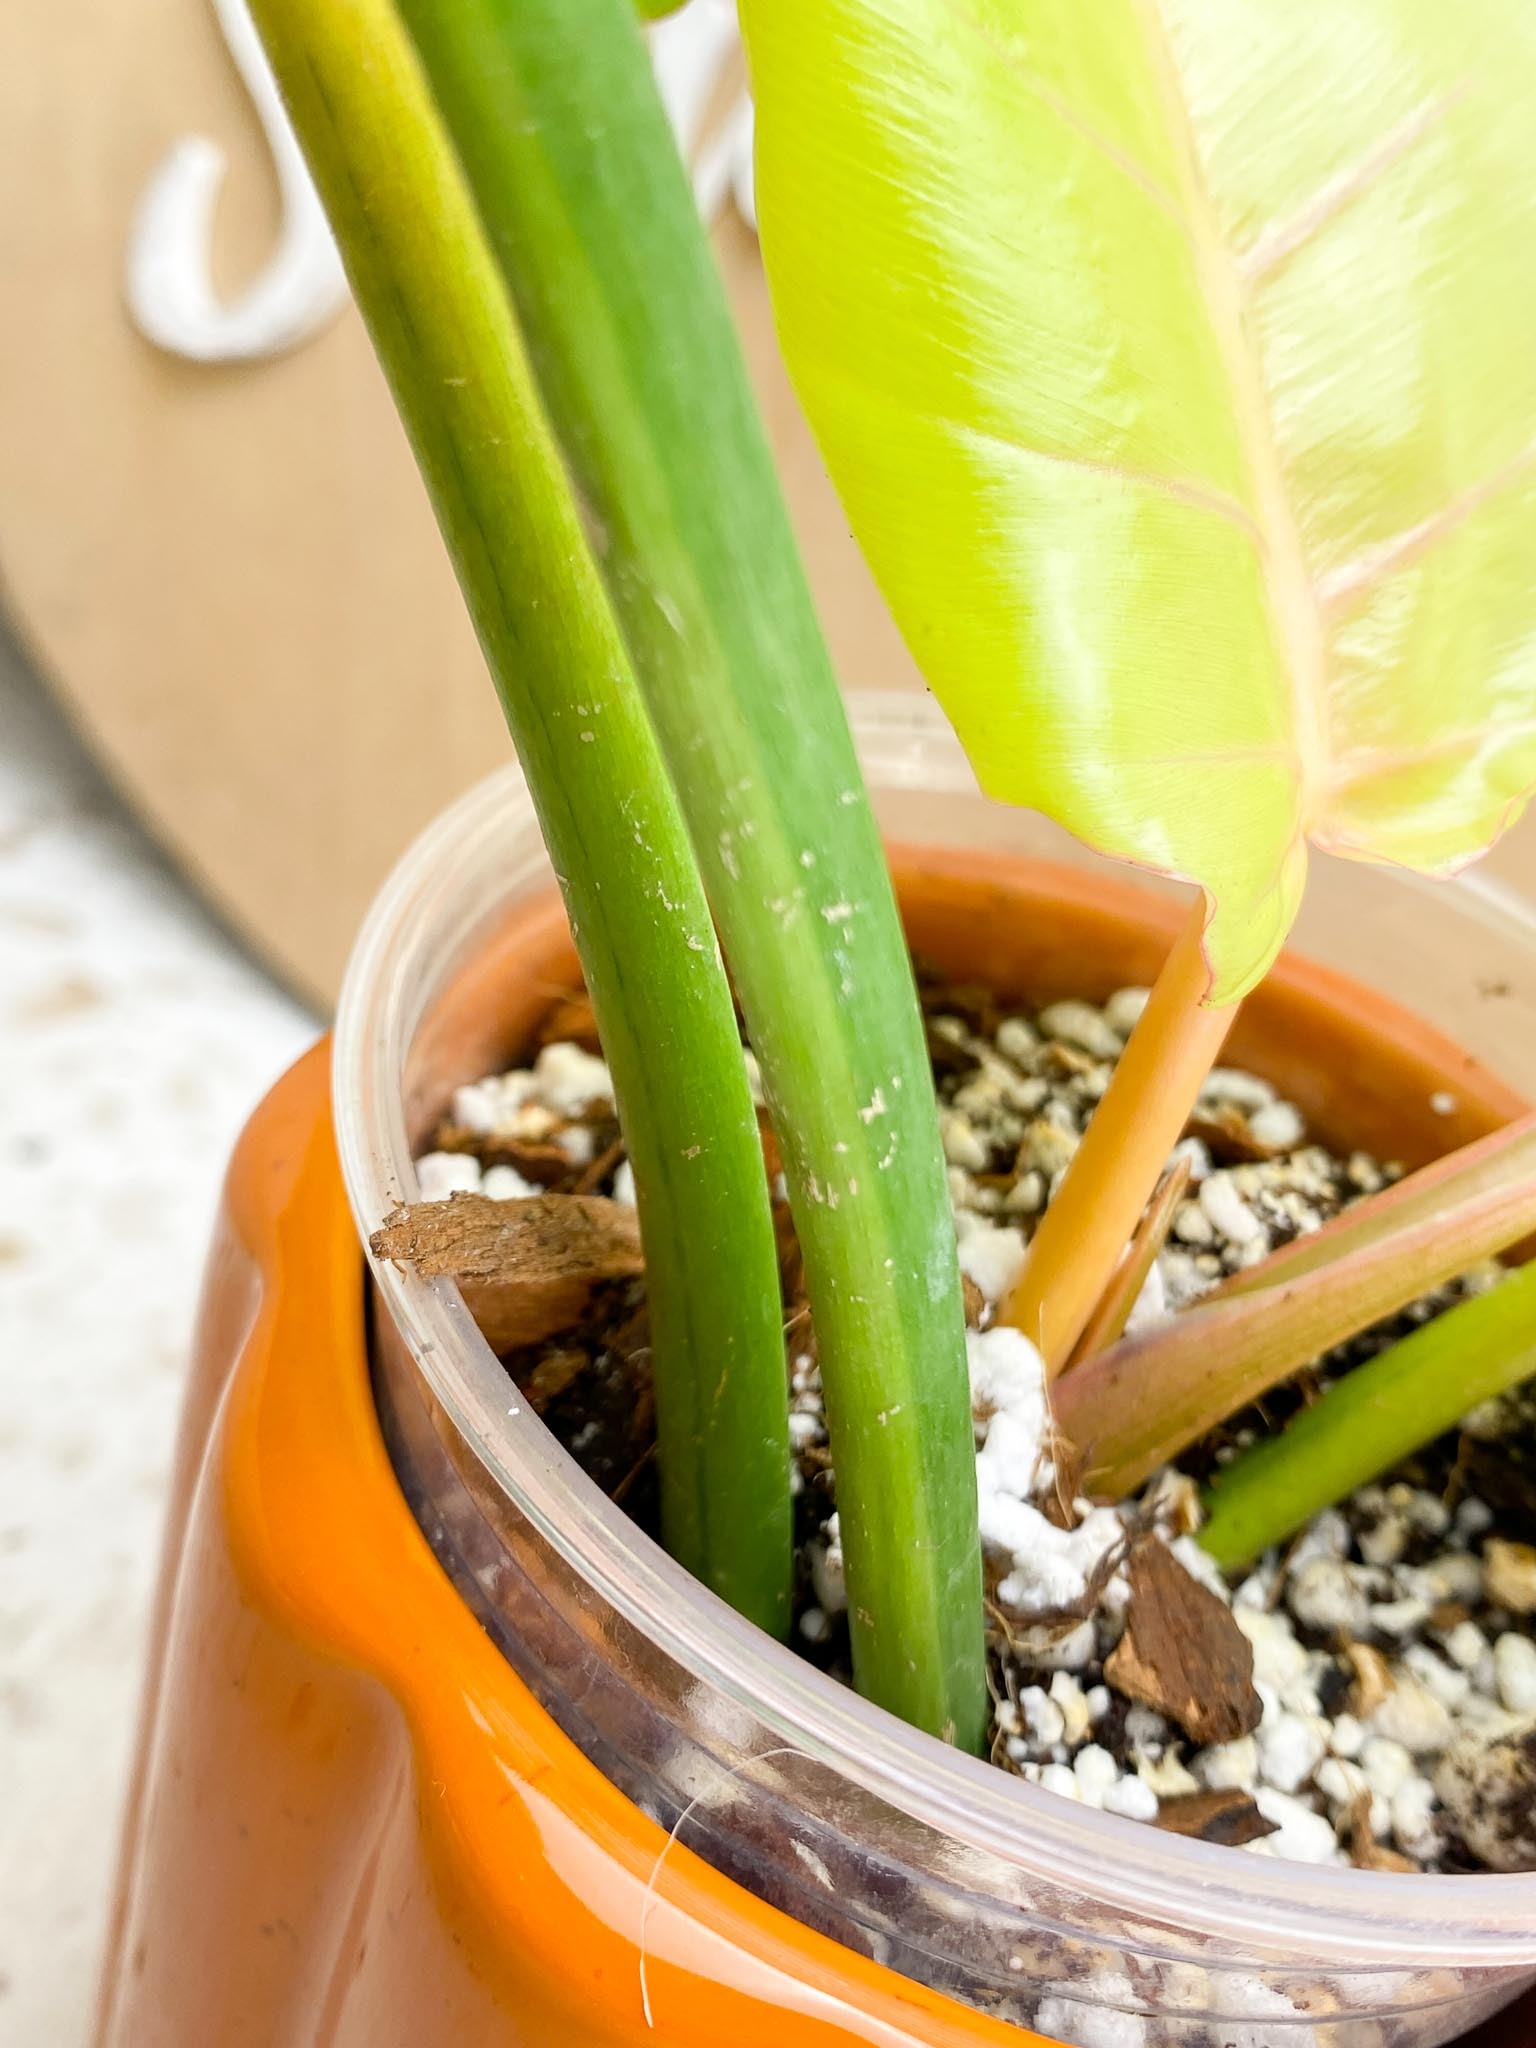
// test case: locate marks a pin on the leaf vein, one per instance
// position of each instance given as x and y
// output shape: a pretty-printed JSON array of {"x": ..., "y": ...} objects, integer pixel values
[
  {"x": 1356, "y": 579},
  {"x": 1119, "y": 159},
  {"x": 1280, "y": 241},
  {"x": 1364, "y": 764},
  {"x": 1200, "y": 497},
  {"x": 1294, "y": 608}
]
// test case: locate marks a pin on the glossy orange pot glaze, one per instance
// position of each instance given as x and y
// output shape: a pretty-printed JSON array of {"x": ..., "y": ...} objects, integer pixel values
[{"x": 352, "y": 1825}]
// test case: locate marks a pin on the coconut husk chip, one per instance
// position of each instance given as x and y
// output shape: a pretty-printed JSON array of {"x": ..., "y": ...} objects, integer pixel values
[
  {"x": 572, "y": 1019},
  {"x": 527, "y": 1268},
  {"x": 1225, "y": 1134},
  {"x": 1372, "y": 1679},
  {"x": 1182, "y": 1652},
  {"x": 536, "y": 1160},
  {"x": 1229, "y": 1816},
  {"x": 1365, "y": 1852}
]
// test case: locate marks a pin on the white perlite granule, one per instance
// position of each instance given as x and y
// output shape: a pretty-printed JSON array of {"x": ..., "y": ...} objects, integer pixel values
[
  {"x": 1106, "y": 2024},
  {"x": 529, "y": 1103},
  {"x": 1046, "y": 1568},
  {"x": 991, "y": 1254},
  {"x": 441, "y": 1175}
]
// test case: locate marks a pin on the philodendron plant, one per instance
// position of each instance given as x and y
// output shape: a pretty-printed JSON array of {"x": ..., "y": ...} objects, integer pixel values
[{"x": 1175, "y": 366}]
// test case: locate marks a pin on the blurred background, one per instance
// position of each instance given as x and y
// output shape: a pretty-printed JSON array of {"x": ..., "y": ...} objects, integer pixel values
[
  {"x": 135, "y": 1034},
  {"x": 235, "y": 680}
]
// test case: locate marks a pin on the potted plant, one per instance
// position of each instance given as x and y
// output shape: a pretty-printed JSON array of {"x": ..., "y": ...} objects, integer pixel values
[{"x": 1087, "y": 419}]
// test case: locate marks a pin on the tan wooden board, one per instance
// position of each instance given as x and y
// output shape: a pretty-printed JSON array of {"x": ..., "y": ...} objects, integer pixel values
[{"x": 229, "y": 573}]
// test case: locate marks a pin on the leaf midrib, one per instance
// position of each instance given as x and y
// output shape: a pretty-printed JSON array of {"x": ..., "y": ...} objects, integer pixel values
[
  {"x": 1296, "y": 616},
  {"x": 1301, "y": 602}
]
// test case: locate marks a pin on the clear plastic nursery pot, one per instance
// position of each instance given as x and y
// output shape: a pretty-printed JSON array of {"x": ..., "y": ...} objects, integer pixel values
[{"x": 442, "y": 1749}]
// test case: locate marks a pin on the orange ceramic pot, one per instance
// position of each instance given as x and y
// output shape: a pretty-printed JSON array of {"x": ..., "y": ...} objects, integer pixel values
[
  {"x": 351, "y": 1823},
  {"x": 407, "y": 1717}
]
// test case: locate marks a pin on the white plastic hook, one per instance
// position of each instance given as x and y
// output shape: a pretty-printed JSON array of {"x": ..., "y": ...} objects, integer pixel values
[
  {"x": 169, "y": 283},
  {"x": 690, "y": 51},
  {"x": 170, "y": 290}
]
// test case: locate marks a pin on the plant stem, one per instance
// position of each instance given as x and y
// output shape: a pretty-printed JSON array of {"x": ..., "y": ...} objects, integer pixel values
[
  {"x": 555, "y": 113},
  {"x": 1108, "y": 1321},
  {"x": 1373, "y": 1418},
  {"x": 1124, "y": 1151},
  {"x": 448, "y": 339},
  {"x": 1147, "y": 1398}
]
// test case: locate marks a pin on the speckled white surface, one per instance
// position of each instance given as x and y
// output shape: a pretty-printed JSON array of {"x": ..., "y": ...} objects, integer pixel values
[{"x": 134, "y": 1039}]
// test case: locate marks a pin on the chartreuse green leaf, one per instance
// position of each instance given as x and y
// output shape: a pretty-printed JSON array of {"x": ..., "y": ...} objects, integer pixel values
[
  {"x": 449, "y": 343},
  {"x": 1176, "y": 361}
]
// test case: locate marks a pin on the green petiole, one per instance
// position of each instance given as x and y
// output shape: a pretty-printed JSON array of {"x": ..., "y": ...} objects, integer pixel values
[
  {"x": 554, "y": 112},
  {"x": 447, "y": 336},
  {"x": 1374, "y": 1417}
]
